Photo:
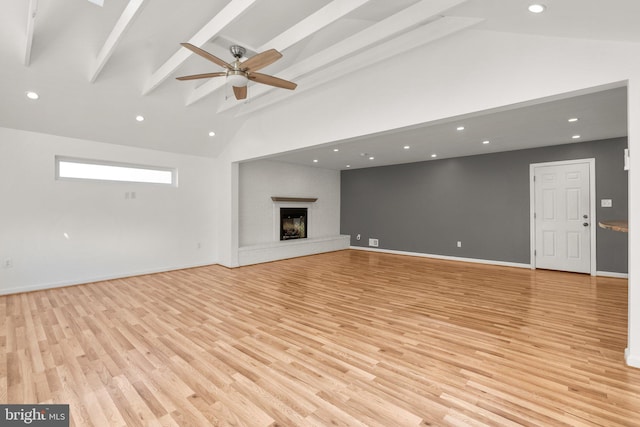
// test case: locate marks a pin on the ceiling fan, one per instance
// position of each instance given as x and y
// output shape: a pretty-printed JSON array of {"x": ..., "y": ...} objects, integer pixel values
[{"x": 239, "y": 73}]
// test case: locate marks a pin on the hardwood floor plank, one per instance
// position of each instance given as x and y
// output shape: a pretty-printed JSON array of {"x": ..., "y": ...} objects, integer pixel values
[{"x": 348, "y": 338}]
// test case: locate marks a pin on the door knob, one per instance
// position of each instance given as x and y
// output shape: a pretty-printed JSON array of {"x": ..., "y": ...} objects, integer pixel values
[
  {"x": 586, "y": 224},
  {"x": 585, "y": 216}
]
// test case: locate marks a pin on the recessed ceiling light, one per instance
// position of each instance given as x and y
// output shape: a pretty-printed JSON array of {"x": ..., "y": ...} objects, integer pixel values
[
  {"x": 348, "y": 166},
  {"x": 336, "y": 150},
  {"x": 212, "y": 133},
  {"x": 315, "y": 160},
  {"x": 460, "y": 128},
  {"x": 576, "y": 137},
  {"x": 486, "y": 141},
  {"x": 139, "y": 118},
  {"x": 32, "y": 95},
  {"x": 371, "y": 157},
  {"x": 537, "y": 8},
  {"x": 573, "y": 119},
  {"x": 434, "y": 155},
  {"x": 406, "y": 147}
]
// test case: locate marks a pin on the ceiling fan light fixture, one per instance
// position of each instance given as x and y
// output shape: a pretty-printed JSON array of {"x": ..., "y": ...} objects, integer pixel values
[
  {"x": 239, "y": 72},
  {"x": 237, "y": 78}
]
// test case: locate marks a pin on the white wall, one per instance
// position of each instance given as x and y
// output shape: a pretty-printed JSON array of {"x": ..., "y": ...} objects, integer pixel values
[
  {"x": 108, "y": 235},
  {"x": 261, "y": 179}
]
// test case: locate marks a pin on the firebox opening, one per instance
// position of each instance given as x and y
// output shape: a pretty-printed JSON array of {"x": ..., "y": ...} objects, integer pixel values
[{"x": 293, "y": 223}]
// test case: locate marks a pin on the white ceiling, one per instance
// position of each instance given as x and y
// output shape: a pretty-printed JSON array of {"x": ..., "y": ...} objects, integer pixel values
[
  {"x": 96, "y": 68},
  {"x": 601, "y": 115}
]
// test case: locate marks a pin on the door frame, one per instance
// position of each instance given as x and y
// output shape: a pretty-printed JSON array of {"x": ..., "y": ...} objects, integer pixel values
[{"x": 592, "y": 206}]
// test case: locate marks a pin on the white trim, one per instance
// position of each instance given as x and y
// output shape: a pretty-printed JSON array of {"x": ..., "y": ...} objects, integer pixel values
[
  {"x": 612, "y": 274},
  {"x": 477, "y": 261},
  {"x": 444, "y": 257},
  {"x": 633, "y": 361},
  {"x": 65, "y": 283},
  {"x": 592, "y": 206},
  {"x": 39, "y": 287}
]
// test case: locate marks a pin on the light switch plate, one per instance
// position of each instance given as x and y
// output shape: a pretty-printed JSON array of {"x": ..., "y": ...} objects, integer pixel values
[{"x": 606, "y": 203}]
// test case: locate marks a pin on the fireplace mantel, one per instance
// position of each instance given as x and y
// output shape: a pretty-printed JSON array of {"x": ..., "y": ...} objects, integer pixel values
[{"x": 294, "y": 199}]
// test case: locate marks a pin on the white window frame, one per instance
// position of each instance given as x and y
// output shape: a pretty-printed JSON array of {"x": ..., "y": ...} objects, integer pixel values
[{"x": 64, "y": 159}]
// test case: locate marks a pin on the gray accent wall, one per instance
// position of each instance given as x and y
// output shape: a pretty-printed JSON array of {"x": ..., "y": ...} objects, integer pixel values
[{"x": 481, "y": 201}]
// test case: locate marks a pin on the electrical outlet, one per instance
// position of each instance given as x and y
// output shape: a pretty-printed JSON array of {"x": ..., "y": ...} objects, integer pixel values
[
  {"x": 459, "y": 244},
  {"x": 606, "y": 203},
  {"x": 373, "y": 242}
]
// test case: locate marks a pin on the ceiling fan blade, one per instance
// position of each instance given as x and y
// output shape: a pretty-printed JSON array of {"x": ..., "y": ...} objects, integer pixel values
[
  {"x": 261, "y": 60},
  {"x": 272, "y": 81},
  {"x": 202, "y": 76},
  {"x": 240, "y": 92},
  {"x": 207, "y": 55}
]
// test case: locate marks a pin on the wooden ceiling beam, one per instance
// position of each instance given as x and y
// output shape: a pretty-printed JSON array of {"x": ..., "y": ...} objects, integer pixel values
[
  {"x": 313, "y": 23},
  {"x": 31, "y": 23},
  {"x": 316, "y": 72},
  {"x": 228, "y": 14},
  {"x": 404, "y": 43},
  {"x": 129, "y": 14},
  {"x": 303, "y": 29}
]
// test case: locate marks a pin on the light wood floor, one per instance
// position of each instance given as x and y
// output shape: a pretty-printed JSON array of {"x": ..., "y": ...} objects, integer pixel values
[{"x": 348, "y": 338}]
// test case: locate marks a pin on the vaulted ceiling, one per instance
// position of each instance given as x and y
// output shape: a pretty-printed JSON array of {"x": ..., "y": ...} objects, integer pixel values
[{"x": 96, "y": 68}]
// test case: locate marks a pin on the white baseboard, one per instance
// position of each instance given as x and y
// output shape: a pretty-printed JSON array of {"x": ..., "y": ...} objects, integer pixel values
[
  {"x": 475, "y": 260},
  {"x": 64, "y": 283},
  {"x": 612, "y": 274},
  {"x": 445, "y": 257},
  {"x": 632, "y": 360}
]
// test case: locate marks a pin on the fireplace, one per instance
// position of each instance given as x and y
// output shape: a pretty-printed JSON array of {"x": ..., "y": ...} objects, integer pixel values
[{"x": 293, "y": 223}]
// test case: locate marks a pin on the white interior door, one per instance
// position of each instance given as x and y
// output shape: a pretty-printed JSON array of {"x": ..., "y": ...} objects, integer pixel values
[{"x": 562, "y": 216}]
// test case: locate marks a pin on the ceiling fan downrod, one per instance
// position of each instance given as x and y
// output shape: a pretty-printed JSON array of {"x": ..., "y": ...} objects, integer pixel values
[{"x": 237, "y": 51}]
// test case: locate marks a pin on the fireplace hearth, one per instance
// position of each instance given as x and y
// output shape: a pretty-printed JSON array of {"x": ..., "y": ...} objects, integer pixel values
[{"x": 293, "y": 223}]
